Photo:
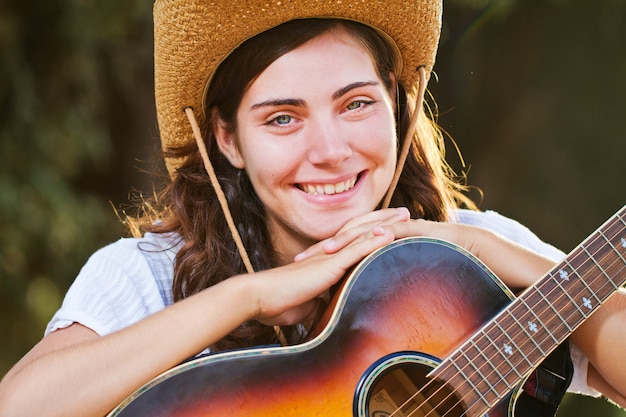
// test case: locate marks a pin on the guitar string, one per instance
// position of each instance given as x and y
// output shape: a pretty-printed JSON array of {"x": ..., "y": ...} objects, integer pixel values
[
  {"x": 586, "y": 259},
  {"x": 580, "y": 251},
  {"x": 595, "y": 275}
]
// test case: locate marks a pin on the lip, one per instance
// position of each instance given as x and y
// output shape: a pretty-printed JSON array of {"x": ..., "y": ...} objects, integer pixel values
[{"x": 331, "y": 189}]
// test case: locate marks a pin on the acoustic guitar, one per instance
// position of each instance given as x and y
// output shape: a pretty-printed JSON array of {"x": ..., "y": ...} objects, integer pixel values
[{"x": 419, "y": 328}]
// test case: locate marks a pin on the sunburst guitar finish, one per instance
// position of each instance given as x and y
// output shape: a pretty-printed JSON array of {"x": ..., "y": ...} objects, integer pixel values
[{"x": 419, "y": 328}]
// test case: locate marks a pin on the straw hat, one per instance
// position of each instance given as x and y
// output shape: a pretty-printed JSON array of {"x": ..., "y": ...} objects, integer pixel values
[{"x": 192, "y": 37}]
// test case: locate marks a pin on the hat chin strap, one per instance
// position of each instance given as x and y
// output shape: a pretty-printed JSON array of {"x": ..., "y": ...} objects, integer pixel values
[
  {"x": 208, "y": 166},
  {"x": 406, "y": 146}
]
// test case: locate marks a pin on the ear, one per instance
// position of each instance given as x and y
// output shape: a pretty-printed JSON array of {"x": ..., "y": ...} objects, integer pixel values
[{"x": 225, "y": 138}]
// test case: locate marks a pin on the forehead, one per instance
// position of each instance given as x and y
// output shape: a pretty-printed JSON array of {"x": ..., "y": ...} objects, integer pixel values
[{"x": 334, "y": 57}]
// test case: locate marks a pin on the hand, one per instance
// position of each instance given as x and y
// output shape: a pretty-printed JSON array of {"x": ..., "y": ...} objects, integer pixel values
[
  {"x": 474, "y": 239},
  {"x": 516, "y": 265},
  {"x": 289, "y": 294},
  {"x": 357, "y": 229}
]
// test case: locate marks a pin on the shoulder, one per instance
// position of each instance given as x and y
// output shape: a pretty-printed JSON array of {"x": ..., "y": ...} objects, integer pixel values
[
  {"x": 507, "y": 227},
  {"x": 136, "y": 257},
  {"x": 120, "y": 284}
]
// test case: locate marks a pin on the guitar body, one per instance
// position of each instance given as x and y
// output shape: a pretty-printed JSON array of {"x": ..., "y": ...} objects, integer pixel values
[{"x": 400, "y": 311}]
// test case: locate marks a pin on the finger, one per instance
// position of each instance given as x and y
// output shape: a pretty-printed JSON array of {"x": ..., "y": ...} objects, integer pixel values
[
  {"x": 310, "y": 251},
  {"x": 334, "y": 244},
  {"x": 419, "y": 227},
  {"x": 356, "y": 228},
  {"x": 459, "y": 234},
  {"x": 377, "y": 216},
  {"x": 347, "y": 236},
  {"x": 289, "y": 298},
  {"x": 359, "y": 248}
]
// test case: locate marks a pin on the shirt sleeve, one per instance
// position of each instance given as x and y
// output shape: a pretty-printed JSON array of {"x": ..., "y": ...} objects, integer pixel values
[
  {"x": 579, "y": 383},
  {"x": 521, "y": 235},
  {"x": 113, "y": 290}
]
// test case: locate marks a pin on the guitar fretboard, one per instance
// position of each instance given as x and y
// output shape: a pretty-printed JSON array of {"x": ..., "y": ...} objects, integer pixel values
[{"x": 493, "y": 361}]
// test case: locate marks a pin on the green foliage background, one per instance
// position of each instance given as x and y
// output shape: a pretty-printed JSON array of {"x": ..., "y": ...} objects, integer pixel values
[{"x": 533, "y": 93}]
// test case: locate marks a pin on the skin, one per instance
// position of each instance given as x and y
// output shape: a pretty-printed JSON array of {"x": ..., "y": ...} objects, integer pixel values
[
  {"x": 324, "y": 235},
  {"x": 321, "y": 125}
]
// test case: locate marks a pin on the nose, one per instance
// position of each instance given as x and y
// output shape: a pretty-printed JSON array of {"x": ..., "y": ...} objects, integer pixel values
[{"x": 328, "y": 143}]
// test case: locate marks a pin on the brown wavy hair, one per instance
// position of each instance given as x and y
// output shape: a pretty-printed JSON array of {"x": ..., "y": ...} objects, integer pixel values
[{"x": 188, "y": 204}]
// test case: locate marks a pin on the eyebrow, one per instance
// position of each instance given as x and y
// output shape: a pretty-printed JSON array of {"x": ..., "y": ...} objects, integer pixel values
[
  {"x": 337, "y": 94},
  {"x": 296, "y": 102}
]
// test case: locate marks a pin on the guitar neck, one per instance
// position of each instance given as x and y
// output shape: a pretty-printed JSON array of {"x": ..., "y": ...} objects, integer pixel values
[{"x": 492, "y": 362}]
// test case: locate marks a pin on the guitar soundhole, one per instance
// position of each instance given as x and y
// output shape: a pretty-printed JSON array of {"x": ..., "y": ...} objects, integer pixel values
[{"x": 402, "y": 390}]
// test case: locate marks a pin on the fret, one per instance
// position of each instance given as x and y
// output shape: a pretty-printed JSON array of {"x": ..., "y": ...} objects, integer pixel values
[
  {"x": 617, "y": 231},
  {"x": 532, "y": 327},
  {"x": 515, "y": 341},
  {"x": 488, "y": 348},
  {"x": 487, "y": 360},
  {"x": 586, "y": 302},
  {"x": 511, "y": 348},
  {"x": 528, "y": 337},
  {"x": 603, "y": 273},
  {"x": 501, "y": 352},
  {"x": 538, "y": 320},
  {"x": 501, "y": 379},
  {"x": 605, "y": 258},
  {"x": 622, "y": 243},
  {"x": 556, "y": 312},
  {"x": 567, "y": 291},
  {"x": 540, "y": 308},
  {"x": 613, "y": 270},
  {"x": 470, "y": 381},
  {"x": 575, "y": 303}
]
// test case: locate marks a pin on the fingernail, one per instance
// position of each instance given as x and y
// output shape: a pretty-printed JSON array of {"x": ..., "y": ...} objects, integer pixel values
[
  {"x": 329, "y": 245},
  {"x": 378, "y": 231},
  {"x": 403, "y": 211}
]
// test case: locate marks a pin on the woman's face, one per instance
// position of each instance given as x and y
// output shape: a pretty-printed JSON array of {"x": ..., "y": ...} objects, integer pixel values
[{"x": 316, "y": 135}]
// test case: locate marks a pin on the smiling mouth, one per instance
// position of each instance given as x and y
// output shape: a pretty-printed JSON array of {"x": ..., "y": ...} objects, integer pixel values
[{"x": 329, "y": 189}]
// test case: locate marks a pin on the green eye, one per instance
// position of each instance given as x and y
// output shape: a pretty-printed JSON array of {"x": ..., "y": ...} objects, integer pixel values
[
  {"x": 359, "y": 104},
  {"x": 355, "y": 105},
  {"x": 283, "y": 119}
]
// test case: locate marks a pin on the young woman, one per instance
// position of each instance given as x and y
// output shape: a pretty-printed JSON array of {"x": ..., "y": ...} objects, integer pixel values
[{"x": 284, "y": 129}]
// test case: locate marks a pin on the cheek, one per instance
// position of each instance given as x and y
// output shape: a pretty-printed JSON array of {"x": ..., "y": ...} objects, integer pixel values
[
  {"x": 379, "y": 143},
  {"x": 269, "y": 164}
]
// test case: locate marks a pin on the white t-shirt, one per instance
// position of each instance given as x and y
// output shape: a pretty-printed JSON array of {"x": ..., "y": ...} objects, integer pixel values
[{"x": 131, "y": 279}]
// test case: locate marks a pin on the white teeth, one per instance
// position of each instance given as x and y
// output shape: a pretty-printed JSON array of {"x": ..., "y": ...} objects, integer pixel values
[{"x": 329, "y": 189}]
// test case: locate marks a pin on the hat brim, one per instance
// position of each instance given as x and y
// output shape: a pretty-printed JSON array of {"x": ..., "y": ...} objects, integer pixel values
[{"x": 192, "y": 38}]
